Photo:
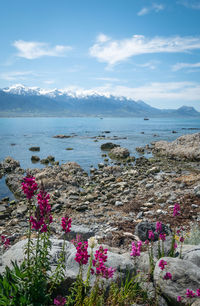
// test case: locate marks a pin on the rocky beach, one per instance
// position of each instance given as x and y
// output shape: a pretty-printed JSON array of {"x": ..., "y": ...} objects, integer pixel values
[{"x": 119, "y": 202}]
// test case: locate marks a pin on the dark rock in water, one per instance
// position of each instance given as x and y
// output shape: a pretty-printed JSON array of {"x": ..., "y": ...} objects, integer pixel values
[
  {"x": 106, "y": 132},
  {"x": 62, "y": 136},
  {"x": 108, "y": 146},
  {"x": 35, "y": 159},
  {"x": 139, "y": 149},
  {"x": 174, "y": 132},
  {"x": 69, "y": 149},
  {"x": 13, "y": 144},
  {"x": 51, "y": 158},
  {"x": 9, "y": 164},
  {"x": 142, "y": 230},
  {"x": 44, "y": 161},
  {"x": 35, "y": 149}
]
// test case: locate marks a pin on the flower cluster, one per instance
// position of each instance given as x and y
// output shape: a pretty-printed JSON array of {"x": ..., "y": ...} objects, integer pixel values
[
  {"x": 43, "y": 215},
  {"x": 162, "y": 264},
  {"x": 82, "y": 253},
  {"x": 5, "y": 241},
  {"x": 59, "y": 300},
  {"x": 176, "y": 210},
  {"x": 99, "y": 263},
  {"x": 189, "y": 294},
  {"x": 151, "y": 235},
  {"x": 167, "y": 276},
  {"x": 136, "y": 249},
  {"x": 162, "y": 237},
  {"x": 66, "y": 224},
  {"x": 158, "y": 227},
  {"x": 29, "y": 186}
]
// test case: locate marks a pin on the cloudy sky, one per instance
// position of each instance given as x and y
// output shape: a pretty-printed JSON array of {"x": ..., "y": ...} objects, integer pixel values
[{"x": 143, "y": 49}]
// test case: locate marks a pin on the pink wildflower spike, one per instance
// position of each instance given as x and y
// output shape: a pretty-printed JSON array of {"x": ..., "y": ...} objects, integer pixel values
[
  {"x": 136, "y": 249},
  {"x": 175, "y": 245},
  {"x": 162, "y": 264},
  {"x": 181, "y": 239},
  {"x": 59, "y": 300},
  {"x": 162, "y": 237},
  {"x": 82, "y": 253},
  {"x": 190, "y": 293},
  {"x": 167, "y": 276},
  {"x": 29, "y": 186},
  {"x": 151, "y": 235},
  {"x": 100, "y": 257},
  {"x": 176, "y": 210},
  {"x": 66, "y": 224},
  {"x": 146, "y": 242},
  {"x": 179, "y": 298},
  {"x": 5, "y": 241},
  {"x": 198, "y": 292},
  {"x": 158, "y": 227}
]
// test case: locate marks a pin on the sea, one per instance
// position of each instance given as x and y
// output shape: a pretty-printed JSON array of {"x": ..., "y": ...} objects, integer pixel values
[{"x": 17, "y": 135}]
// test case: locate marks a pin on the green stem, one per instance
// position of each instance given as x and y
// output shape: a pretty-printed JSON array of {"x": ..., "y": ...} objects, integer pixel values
[{"x": 29, "y": 238}]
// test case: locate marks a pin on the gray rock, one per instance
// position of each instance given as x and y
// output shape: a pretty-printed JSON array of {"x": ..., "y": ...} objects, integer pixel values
[
  {"x": 35, "y": 149},
  {"x": 185, "y": 275},
  {"x": 142, "y": 229},
  {"x": 108, "y": 146},
  {"x": 119, "y": 153},
  {"x": 193, "y": 255}
]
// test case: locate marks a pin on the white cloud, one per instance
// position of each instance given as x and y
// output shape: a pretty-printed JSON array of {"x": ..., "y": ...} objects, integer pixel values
[
  {"x": 193, "y": 4},
  {"x": 115, "y": 51},
  {"x": 155, "y": 7},
  {"x": 180, "y": 66},
  {"x": 108, "y": 79},
  {"x": 15, "y": 75},
  {"x": 49, "y": 82},
  {"x": 32, "y": 49},
  {"x": 151, "y": 64}
]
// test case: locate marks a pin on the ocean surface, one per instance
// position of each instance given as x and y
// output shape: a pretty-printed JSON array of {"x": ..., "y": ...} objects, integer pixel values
[{"x": 17, "y": 135}]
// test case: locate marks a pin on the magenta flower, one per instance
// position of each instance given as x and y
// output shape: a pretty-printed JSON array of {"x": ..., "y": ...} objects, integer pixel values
[
  {"x": 146, "y": 242},
  {"x": 99, "y": 263},
  {"x": 181, "y": 239},
  {"x": 198, "y": 292},
  {"x": 59, "y": 300},
  {"x": 176, "y": 210},
  {"x": 29, "y": 186},
  {"x": 151, "y": 235},
  {"x": 82, "y": 253},
  {"x": 175, "y": 245},
  {"x": 5, "y": 241},
  {"x": 66, "y": 224},
  {"x": 167, "y": 276},
  {"x": 179, "y": 298},
  {"x": 136, "y": 249},
  {"x": 190, "y": 293},
  {"x": 158, "y": 227},
  {"x": 162, "y": 264},
  {"x": 162, "y": 237}
]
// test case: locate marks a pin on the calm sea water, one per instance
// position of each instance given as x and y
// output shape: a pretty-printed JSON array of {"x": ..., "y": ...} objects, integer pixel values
[{"x": 17, "y": 135}]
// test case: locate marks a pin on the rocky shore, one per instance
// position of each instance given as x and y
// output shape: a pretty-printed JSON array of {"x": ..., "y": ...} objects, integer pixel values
[{"x": 112, "y": 200}]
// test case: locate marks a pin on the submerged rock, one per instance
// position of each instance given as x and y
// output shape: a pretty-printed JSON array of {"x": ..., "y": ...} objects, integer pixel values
[
  {"x": 119, "y": 153},
  {"x": 108, "y": 146}
]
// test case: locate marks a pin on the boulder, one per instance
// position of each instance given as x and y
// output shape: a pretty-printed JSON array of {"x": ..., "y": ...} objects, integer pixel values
[
  {"x": 35, "y": 149},
  {"x": 119, "y": 153},
  {"x": 35, "y": 158},
  {"x": 108, "y": 146},
  {"x": 9, "y": 164},
  {"x": 185, "y": 275},
  {"x": 142, "y": 229}
]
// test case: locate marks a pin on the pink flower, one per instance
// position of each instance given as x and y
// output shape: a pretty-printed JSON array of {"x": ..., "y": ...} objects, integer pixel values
[
  {"x": 167, "y": 276},
  {"x": 158, "y": 227},
  {"x": 162, "y": 264},
  {"x": 66, "y": 224},
  {"x": 181, "y": 239},
  {"x": 59, "y": 300},
  {"x": 5, "y": 241},
  {"x": 29, "y": 186},
  {"x": 82, "y": 253},
  {"x": 175, "y": 245},
  {"x": 179, "y": 298},
  {"x": 176, "y": 210},
  {"x": 99, "y": 263},
  {"x": 190, "y": 293},
  {"x": 136, "y": 249},
  {"x": 146, "y": 242},
  {"x": 151, "y": 235},
  {"x": 198, "y": 292},
  {"x": 162, "y": 237}
]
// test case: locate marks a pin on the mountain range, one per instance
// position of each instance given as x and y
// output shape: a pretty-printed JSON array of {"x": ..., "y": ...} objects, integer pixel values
[{"x": 19, "y": 100}]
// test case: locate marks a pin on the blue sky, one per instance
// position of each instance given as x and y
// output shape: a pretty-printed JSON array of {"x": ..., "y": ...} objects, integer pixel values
[{"x": 142, "y": 49}]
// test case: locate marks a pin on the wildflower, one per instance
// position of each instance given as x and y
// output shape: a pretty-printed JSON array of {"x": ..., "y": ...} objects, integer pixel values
[
  {"x": 151, "y": 235},
  {"x": 82, "y": 253},
  {"x": 162, "y": 264},
  {"x": 146, "y": 242},
  {"x": 59, "y": 300},
  {"x": 158, "y": 227},
  {"x": 136, "y": 249},
  {"x": 167, "y": 276},
  {"x": 176, "y": 210},
  {"x": 198, "y": 292},
  {"x": 175, "y": 245},
  {"x": 179, "y": 298},
  {"x": 190, "y": 293},
  {"x": 181, "y": 239},
  {"x": 5, "y": 241},
  {"x": 162, "y": 237},
  {"x": 92, "y": 242},
  {"x": 99, "y": 263},
  {"x": 29, "y": 186},
  {"x": 66, "y": 224}
]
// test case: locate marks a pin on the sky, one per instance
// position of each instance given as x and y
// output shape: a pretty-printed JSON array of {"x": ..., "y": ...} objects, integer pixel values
[{"x": 141, "y": 49}]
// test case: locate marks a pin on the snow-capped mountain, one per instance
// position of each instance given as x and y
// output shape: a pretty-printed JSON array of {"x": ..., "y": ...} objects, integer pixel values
[{"x": 18, "y": 100}]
